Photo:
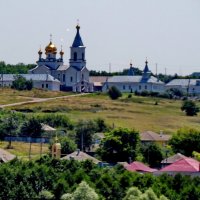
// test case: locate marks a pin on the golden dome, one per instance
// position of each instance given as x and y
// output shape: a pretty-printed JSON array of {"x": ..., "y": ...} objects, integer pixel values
[
  {"x": 51, "y": 48},
  {"x": 61, "y": 51}
]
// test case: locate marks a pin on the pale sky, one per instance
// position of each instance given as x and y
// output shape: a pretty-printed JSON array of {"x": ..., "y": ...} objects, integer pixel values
[{"x": 167, "y": 32}]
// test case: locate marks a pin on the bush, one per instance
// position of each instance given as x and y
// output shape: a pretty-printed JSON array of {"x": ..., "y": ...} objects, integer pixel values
[
  {"x": 190, "y": 108},
  {"x": 144, "y": 93},
  {"x": 20, "y": 83},
  {"x": 56, "y": 120},
  {"x": 114, "y": 93}
]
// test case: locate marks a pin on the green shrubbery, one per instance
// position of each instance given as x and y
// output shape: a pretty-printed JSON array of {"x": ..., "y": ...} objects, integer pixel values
[
  {"x": 20, "y": 83},
  {"x": 114, "y": 93},
  {"x": 47, "y": 178}
]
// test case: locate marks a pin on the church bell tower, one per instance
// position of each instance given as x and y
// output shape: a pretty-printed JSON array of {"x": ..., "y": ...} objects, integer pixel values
[{"x": 77, "y": 58}]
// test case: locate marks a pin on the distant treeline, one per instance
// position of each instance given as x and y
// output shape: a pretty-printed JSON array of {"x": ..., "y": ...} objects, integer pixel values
[{"x": 19, "y": 68}]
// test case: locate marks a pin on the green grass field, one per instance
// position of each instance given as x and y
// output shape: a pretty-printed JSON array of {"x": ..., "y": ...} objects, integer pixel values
[
  {"x": 21, "y": 149},
  {"x": 136, "y": 112},
  {"x": 8, "y": 96}
]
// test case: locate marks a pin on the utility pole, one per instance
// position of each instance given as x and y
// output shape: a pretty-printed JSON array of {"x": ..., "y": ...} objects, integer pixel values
[
  {"x": 81, "y": 141},
  {"x": 30, "y": 150},
  {"x": 156, "y": 69}
]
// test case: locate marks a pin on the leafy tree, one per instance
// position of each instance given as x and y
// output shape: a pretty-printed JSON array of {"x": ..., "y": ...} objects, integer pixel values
[
  {"x": 56, "y": 120},
  {"x": 121, "y": 144},
  {"x": 190, "y": 108},
  {"x": 44, "y": 194},
  {"x": 84, "y": 133},
  {"x": 84, "y": 192},
  {"x": 132, "y": 193},
  {"x": 19, "y": 68},
  {"x": 114, "y": 93},
  {"x": 152, "y": 154},
  {"x": 101, "y": 125},
  {"x": 66, "y": 196},
  {"x": 67, "y": 145},
  {"x": 135, "y": 194},
  {"x": 31, "y": 128},
  {"x": 20, "y": 83},
  {"x": 185, "y": 141}
]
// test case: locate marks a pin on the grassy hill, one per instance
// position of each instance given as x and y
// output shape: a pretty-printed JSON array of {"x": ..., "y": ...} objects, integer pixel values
[
  {"x": 135, "y": 112},
  {"x": 8, "y": 96}
]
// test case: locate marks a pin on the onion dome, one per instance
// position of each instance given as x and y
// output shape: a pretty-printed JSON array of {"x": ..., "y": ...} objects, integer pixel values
[
  {"x": 51, "y": 48},
  {"x": 40, "y": 52},
  {"x": 61, "y": 51}
]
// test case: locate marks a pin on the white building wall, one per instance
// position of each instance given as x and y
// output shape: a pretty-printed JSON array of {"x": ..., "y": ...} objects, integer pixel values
[{"x": 132, "y": 87}]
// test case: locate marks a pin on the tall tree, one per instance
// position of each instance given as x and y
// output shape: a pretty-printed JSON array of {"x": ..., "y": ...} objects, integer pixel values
[
  {"x": 185, "y": 141},
  {"x": 84, "y": 133},
  {"x": 121, "y": 144}
]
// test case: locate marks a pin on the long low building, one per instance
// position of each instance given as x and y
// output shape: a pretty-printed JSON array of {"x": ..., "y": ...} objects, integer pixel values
[
  {"x": 40, "y": 81},
  {"x": 190, "y": 86},
  {"x": 132, "y": 83}
]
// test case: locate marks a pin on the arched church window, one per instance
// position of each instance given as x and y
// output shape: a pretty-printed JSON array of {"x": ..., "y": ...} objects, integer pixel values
[
  {"x": 75, "y": 56},
  {"x": 83, "y": 56},
  {"x": 63, "y": 77}
]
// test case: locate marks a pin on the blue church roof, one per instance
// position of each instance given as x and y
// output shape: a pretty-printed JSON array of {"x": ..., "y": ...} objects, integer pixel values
[
  {"x": 77, "y": 40},
  {"x": 146, "y": 68}
]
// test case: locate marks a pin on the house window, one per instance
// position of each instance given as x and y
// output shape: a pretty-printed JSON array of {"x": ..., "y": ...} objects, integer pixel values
[
  {"x": 82, "y": 76},
  {"x": 75, "y": 56},
  {"x": 42, "y": 85},
  {"x": 58, "y": 76},
  {"x": 129, "y": 87},
  {"x": 71, "y": 79},
  {"x": 145, "y": 87},
  {"x": 63, "y": 77},
  {"x": 124, "y": 87},
  {"x": 47, "y": 85},
  {"x": 140, "y": 87}
]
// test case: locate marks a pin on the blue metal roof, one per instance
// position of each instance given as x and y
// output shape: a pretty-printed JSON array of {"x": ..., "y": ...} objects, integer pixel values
[
  {"x": 133, "y": 79},
  {"x": 182, "y": 82},
  {"x": 34, "y": 77},
  {"x": 77, "y": 40}
]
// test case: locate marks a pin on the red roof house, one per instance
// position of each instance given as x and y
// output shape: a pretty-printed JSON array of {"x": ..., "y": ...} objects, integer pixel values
[
  {"x": 139, "y": 167},
  {"x": 185, "y": 165}
]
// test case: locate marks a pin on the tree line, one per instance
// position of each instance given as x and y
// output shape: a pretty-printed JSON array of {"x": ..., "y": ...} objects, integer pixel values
[{"x": 51, "y": 177}]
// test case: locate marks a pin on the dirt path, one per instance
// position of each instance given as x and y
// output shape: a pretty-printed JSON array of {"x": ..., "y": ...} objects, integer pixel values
[{"x": 38, "y": 100}]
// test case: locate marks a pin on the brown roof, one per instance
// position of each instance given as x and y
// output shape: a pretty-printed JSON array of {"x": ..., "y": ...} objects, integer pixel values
[
  {"x": 100, "y": 79},
  {"x": 173, "y": 158},
  {"x": 80, "y": 156},
  {"x": 5, "y": 156},
  {"x": 152, "y": 136}
]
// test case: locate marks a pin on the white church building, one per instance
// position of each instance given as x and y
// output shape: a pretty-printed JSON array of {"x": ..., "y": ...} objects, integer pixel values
[
  {"x": 132, "y": 83},
  {"x": 73, "y": 77}
]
